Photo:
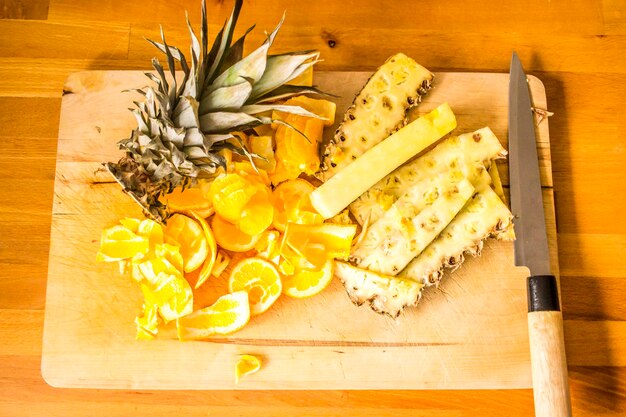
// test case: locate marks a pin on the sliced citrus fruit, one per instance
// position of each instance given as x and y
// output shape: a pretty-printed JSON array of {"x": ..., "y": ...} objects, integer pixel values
[
  {"x": 254, "y": 174},
  {"x": 152, "y": 231},
  {"x": 336, "y": 239},
  {"x": 246, "y": 365},
  {"x": 191, "y": 238},
  {"x": 264, "y": 147},
  {"x": 268, "y": 245},
  {"x": 209, "y": 262},
  {"x": 229, "y": 194},
  {"x": 130, "y": 223},
  {"x": 228, "y": 314},
  {"x": 119, "y": 243},
  {"x": 297, "y": 143},
  {"x": 306, "y": 283},
  {"x": 291, "y": 202},
  {"x": 260, "y": 279},
  {"x": 258, "y": 214},
  {"x": 229, "y": 237},
  {"x": 191, "y": 198}
]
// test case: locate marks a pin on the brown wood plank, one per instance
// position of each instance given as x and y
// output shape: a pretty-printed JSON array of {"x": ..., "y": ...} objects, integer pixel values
[
  {"x": 41, "y": 39},
  {"x": 535, "y": 16},
  {"x": 20, "y": 9},
  {"x": 352, "y": 47},
  {"x": 592, "y": 298}
]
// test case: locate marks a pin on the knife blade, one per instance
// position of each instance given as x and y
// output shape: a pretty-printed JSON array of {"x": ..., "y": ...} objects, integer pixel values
[{"x": 545, "y": 322}]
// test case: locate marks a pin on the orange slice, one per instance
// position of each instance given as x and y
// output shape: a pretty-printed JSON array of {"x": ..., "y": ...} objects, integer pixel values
[
  {"x": 291, "y": 202},
  {"x": 209, "y": 262},
  {"x": 264, "y": 147},
  {"x": 119, "y": 243},
  {"x": 229, "y": 194},
  {"x": 306, "y": 283},
  {"x": 190, "y": 199},
  {"x": 335, "y": 238},
  {"x": 228, "y": 314},
  {"x": 258, "y": 214},
  {"x": 268, "y": 245},
  {"x": 260, "y": 279},
  {"x": 297, "y": 144},
  {"x": 246, "y": 365},
  {"x": 130, "y": 223},
  {"x": 189, "y": 235},
  {"x": 229, "y": 237}
]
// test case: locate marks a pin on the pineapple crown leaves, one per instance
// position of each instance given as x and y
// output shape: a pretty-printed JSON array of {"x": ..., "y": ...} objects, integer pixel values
[{"x": 182, "y": 124}]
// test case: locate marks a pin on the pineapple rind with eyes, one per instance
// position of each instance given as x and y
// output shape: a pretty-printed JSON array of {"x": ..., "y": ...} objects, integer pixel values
[{"x": 377, "y": 111}]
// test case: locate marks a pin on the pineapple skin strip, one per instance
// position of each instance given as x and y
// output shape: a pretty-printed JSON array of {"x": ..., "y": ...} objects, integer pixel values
[
  {"x": 347, "y": 185},
  {"x": 466, "y": 149},
  {"x": 377, "y": 111},
  {"x": 384, "y": 294},
  {"x": 483, "y": 216},
  {"x": 414, "y": 221}
]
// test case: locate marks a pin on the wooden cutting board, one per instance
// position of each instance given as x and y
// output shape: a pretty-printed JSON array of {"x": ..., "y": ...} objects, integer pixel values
[{"x": 469, "y": 333}]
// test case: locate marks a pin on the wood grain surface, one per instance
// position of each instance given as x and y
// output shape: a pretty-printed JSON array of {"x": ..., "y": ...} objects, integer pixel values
[
  {"x": 575, "y": 47},
  {"x": 472, "y": 338}
]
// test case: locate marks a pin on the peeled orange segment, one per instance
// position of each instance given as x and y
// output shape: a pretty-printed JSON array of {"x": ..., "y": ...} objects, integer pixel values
[
  {"x": 254, "y": 174},
  {"x": 228, "y": 314},
  {"x": 147, "y": 323},
  {"x": 165, "y": 287},
  {"x": 229, "y": 194},
  {"x": 189, "y": 199},
  {"x": 268, "y": 245},
  {"x": 246, "y": 365},
  {"x": 264, "y": 147},
  {"x": 291, "y": 201},
  {"x": 209, "y": 262},
  {"x": 229, "y": 237},
  {"x": 130, "y": 223},
  {"x": 311, "y": 240},
  {"x": 260, "y": 279},
  {"x": 297, "y": 143},
  {"x": 283, "y": 172},
  {"x": 258, "y": 214},
  {"x": 305, "y": 283},
  {"x": 191, "y": 238},
  {"x": 119, "y": 243},
  {"x": 152, "y": 231}
]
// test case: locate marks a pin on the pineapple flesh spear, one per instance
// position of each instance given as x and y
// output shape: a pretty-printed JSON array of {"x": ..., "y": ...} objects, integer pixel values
[
  {"x": 413, "y": 221},
  {"x": 377, "y": 111},
  {"x": 182, "y": 127},
  {"x": 452, "y": 153},
  {"x": 385, "y": 294},
  {"x": 345, "y": 187}
]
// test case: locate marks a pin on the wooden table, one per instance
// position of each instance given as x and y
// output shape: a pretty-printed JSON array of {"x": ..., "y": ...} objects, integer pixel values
[{"x": 576, "y": 48}]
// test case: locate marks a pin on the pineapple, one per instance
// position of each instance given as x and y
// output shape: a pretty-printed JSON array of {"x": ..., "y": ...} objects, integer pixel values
[
  {"x": 385, "y": 294},
  {"x": 345, "y": 187},
  {"x": 413, "y": 221},
  {"x": 377, "y": 111},
  {"x": 485, "y": 215},
  {"x": 184, "y": 126},
  {"x": 452, "y": 153}
]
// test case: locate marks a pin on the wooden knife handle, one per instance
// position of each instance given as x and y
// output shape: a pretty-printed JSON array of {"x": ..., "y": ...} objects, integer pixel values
[{"x": 547, "y": 349}]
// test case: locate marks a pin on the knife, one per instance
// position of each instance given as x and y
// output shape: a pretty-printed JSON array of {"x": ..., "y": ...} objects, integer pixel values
[{"x": 545, "y": 322}]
